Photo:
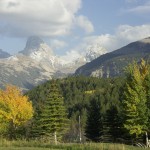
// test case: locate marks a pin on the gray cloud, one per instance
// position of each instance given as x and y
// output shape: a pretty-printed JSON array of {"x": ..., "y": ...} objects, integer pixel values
[{"x": 13, "y": 4}]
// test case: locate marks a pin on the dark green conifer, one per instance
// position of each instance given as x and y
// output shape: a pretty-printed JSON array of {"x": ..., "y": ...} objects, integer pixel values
[
  {"x": 51, "y": 119},
  {"x": 94, "y": 123},
  {"x": 113, "y": 124}
]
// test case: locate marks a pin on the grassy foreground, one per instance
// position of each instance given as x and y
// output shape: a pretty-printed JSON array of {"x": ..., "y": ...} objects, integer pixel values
[{"x": 36, "y": 145}]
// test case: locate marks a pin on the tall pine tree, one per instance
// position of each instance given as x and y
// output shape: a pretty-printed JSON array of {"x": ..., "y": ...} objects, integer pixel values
[{"x": 51, "y": 119}]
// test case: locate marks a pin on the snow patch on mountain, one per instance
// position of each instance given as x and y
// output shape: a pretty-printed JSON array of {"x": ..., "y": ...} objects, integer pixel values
[
  {"x": 42, "y": 52},
  {"x": 94, "y": 51},
  {"x": 12, "y": 58}
]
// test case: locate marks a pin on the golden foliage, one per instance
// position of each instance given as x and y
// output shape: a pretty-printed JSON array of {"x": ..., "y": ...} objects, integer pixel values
[
  {"x": 144, "y": 69},
  {"x": 14, "y": 107},
  {"x": 90, "y": 92}
]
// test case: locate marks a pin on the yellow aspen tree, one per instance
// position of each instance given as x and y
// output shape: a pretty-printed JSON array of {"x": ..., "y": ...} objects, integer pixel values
[{"x": 15, "y": 109}]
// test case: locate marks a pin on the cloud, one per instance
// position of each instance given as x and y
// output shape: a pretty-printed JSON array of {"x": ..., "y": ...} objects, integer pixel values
[
  {"x": 57, "y": 44},
  {"x": 71, "y": 56},
  {"x": 133, "y": 33},
  {"x": 107, "y": 41},
  {"x": 37, "y": 17},
  {"x": 140, "y": 9},
  {"x": 84, "y": 23},
  {"x": 123, "y": 35}
]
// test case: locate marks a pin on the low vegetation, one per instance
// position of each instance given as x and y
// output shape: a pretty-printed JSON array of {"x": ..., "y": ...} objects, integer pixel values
[{"x": 35, "y": 145}]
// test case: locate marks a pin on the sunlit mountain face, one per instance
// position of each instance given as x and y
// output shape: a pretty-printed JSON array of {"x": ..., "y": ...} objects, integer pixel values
[{"x": 38, "y": 63}]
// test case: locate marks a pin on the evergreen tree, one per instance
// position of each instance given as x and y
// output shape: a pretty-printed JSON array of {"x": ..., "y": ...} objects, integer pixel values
[
  {"x": 94, "y": 123},
  {"x": 51, "y": 118},
  {"x": 113, "y": 124},
  {"x": 134, "y": 100}
]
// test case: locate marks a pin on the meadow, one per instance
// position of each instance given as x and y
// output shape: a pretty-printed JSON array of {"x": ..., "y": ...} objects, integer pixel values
[{"x": 37, "y": 145}]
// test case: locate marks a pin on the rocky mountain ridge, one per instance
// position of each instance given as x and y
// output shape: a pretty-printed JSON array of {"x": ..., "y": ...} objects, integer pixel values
[{"x": 36, "y": 64}]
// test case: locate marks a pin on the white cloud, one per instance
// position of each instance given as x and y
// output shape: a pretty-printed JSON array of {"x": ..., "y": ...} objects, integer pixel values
[
  {"x": 107, "y": 41},
  {"x": 124, "y": 35},
  {"x": 37, "y": 17},
  {"x": 56, "y": 44},
  {"x": 133, "y": 33},
  {"x": 141, "y": 9},
  {"x": 71, "y": 56},
  {"x": 84, "y": 23}
]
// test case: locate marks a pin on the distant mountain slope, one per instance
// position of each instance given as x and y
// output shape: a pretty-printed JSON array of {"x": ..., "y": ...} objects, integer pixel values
[
  {"x": 4, "y": 54},
  {"x": 38, "y": 63},
  {"x": 113, "y": 63},
  {"x": 23, "y": 72}
]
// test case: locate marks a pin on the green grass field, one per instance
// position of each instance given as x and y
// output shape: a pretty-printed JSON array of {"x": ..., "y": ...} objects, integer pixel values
[{"x": 36, "y": 145}]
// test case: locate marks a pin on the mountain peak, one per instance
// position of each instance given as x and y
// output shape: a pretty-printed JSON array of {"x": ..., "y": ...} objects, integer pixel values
[
  {"x": 94, "y": 51},
  {"x": 33, "y": 43}
]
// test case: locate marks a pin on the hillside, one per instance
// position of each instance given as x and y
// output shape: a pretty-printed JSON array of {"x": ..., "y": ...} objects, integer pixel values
[{"x": 113, "y": 63}]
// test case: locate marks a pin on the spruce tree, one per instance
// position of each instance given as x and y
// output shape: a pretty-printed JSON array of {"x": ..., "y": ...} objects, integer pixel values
[
  {"x": 113, "y": 123},
  {"x": 134, "y": 100},
  {"x": 94, "y": 123},
  {"x": 51, "y": 119}
]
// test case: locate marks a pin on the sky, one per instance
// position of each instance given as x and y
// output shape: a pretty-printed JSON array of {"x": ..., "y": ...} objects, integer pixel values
[{"x": 71, "y": 26}]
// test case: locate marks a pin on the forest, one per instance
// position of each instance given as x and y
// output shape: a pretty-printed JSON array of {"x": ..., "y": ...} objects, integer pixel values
[{"x": 80, "y": 109}]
